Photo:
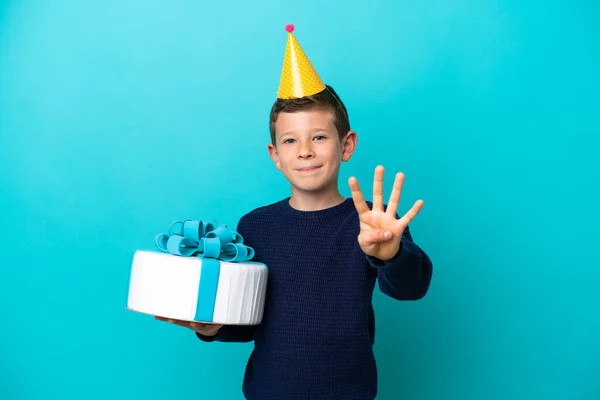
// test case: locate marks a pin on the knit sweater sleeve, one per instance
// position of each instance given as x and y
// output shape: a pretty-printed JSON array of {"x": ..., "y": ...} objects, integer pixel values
[
  {"x": 235, "y": 333},
  {"x": 231, "y": 334},
  {"x": 407, "y": 276}
]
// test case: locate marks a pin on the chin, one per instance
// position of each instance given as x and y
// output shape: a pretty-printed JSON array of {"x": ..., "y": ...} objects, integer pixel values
[
  {"x": 308, "y": 184},
  {"x": 315, "y": 187},
  {"x": 310, "y": 189}
]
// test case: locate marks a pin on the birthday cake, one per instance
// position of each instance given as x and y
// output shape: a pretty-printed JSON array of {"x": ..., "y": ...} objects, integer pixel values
[{"x": 199, "y": 272}]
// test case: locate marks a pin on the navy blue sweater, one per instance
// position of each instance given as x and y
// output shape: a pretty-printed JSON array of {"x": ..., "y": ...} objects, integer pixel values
[{"x": 317, "y": 335}]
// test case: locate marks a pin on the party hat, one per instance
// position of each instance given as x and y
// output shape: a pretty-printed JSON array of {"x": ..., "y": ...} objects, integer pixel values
[{"x": 298, "y": 77}]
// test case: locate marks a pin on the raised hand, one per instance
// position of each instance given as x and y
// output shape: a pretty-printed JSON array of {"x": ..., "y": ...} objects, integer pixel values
[{"x": 380, "y": 231}]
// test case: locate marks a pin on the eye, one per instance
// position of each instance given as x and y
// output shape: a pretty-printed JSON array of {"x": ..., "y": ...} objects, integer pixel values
[
  {"x": 320, "y": 137},
  {"x": 288, "y": 141}
]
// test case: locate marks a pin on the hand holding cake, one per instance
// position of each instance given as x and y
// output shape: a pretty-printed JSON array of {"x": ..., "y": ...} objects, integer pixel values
[
  {"x": 380, "y": 231},
  {"x": 203, "y": 329}
]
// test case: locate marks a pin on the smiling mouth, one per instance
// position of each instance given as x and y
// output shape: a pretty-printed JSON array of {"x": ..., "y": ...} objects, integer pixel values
[{"x": 308, "y": 169}]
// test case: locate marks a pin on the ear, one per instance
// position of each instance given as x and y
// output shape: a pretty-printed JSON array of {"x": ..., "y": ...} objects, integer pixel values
[
  {"x": 274, "y": 155},
  {"x": 349, "y": 145}
]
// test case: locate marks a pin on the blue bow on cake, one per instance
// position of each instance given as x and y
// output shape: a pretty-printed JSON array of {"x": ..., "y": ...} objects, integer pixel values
[
  {"x": 204, "y": 240},
  {"x": 211, "y": 242}
]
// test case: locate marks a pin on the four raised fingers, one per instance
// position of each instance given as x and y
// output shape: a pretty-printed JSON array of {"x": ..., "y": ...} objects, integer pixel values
[{"x": 394, "y": 202}]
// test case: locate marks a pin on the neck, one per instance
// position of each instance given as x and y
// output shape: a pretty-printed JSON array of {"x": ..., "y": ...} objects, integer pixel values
[{"x": 314, "y": 201}]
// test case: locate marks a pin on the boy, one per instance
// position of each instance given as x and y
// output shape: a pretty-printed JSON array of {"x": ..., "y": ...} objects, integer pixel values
[{"x": 324, "y": 254}]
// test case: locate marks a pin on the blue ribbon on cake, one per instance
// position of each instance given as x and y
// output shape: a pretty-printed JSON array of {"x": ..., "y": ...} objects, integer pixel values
[{"x": 212, "y": 242}]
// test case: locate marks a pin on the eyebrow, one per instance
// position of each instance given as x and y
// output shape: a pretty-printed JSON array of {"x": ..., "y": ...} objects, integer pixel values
[{"x": 313, "y": 131}]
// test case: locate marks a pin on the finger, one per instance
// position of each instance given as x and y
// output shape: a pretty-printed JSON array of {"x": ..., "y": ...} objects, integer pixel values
[
  {"x": 205, "y": 328},
  {"x": 368, "y": 238},
  {"x": 411, "y": 214},
  {"x": 357, "y": 196},
  {"x": 179, "y": 322},
  {"x": 392, "y": 207},
  {"x": 378, "y": 189},
  {"x": 212, "y": 327}
]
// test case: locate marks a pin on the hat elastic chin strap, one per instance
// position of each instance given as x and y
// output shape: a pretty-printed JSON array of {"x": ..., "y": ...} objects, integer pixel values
[{"x": 339, "y": 102}]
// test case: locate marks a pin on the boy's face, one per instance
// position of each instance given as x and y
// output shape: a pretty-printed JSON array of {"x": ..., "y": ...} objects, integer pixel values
[{"x": 308, "y": 150}]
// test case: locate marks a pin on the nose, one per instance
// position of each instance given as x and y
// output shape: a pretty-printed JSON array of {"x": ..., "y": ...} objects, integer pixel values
[{"x": 305, "y": 150}]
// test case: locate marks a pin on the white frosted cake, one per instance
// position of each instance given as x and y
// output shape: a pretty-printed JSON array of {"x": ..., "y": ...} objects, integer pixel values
[{"x": 202, "y": 272}]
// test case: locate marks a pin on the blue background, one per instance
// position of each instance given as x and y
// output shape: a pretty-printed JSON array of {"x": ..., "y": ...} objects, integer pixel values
[{"x": 117, "y": 117}]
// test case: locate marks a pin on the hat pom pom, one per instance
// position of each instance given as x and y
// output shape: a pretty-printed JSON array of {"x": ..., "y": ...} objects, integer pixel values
[{"x": 289, "y": 28}]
